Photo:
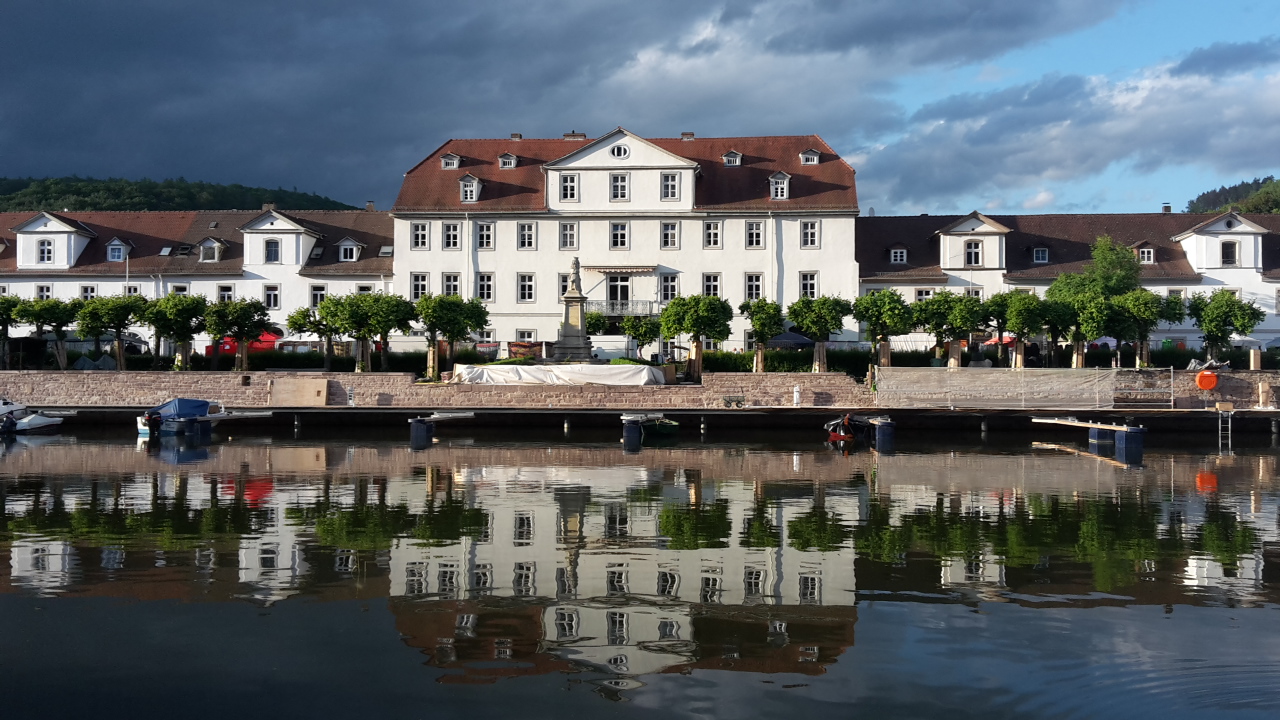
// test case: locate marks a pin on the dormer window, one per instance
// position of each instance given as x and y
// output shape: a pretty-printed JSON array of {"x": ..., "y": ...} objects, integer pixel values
[
  {"x": 449, "y": 162},
  {"x": 1230, "y": 253},
  {"x": 733, "y": 158},
  {"x": 506, "y": 161},
  {"x": 470, "y": 188},
  {"x": 1040, "y": 255},
  {"x": 779, "y": 186},
  {"x": 116, "y": 250},
  {"x": 348, "y": 250},
  {"x": 809, "y": 157},
  {"x": 898, "y": 256},
  {"x": 45, "y": 249},
  {"x": 1147, "y": 256}
]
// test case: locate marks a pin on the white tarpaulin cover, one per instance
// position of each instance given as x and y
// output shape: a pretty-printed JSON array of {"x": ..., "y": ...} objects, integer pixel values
[
  {"x": 996, "y": 388},
  {"x": 556, "y": 375}
]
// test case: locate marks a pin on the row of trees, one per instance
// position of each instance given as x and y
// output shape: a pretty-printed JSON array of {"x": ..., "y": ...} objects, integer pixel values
[{"x": 1104, "y": 299}]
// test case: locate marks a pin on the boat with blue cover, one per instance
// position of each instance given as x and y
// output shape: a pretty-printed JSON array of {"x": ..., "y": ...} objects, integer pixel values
[{"x": 181, "y": 416}]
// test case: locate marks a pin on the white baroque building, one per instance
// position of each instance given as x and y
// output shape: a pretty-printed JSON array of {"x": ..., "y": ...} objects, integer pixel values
[{"x": 649, "y": 219}]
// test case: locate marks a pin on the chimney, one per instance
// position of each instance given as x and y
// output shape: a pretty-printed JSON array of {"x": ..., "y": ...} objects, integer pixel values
[
  {"x": 268, "y": 206},
  {"x": 686, "y": 136},
  {"x": 517, "y": 136},
  {"x": 1166, "y": 208},
  {"x": 575, "y": 135},
  {"x": 368, "y": 205}
]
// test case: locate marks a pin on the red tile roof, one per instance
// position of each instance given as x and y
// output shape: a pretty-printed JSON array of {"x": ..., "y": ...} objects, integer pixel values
[
  {"x": 1069, "y": 239},
  {"x": 829, "y": 185},
  {"x": 151, "y": 232}
]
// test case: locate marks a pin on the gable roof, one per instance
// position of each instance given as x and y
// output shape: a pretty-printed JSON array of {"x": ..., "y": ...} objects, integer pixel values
[
  {"x": 975, "y": 215},
  {"x": 75, "y": 225},
  {"x": 608, "y": 138},
  {"x": 150, "y": 232},
  {"x": 1246, "y": 224},
  {"x": 1069, "y": 239},
  {"x": 829, "y": 185}
]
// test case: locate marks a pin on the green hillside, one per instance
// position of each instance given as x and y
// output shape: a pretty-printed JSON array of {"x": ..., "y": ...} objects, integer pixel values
[
  {"x": 1260, "y": 195},
  {"x": 74, "y": 193}
]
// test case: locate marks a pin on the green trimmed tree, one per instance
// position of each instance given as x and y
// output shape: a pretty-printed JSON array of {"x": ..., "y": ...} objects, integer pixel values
[
  {"x": 241, "y": 320},
  {"x": 643, "y": 329},
  {"x": 352, "y": 315},
  {"x": 1060, "y": 321},
  {"x": 1024, "y": 317},
  {"x": 9, "y": 305},
  {"x": 306, "y": 321},
  {"x": 995, "y": 313},
  {"x": 1221, "y": 315},
  {"x": 947, "y": 316},
  {"x": 179, "y": 318},
  {"x": 449, "y": 317},
  {"x": 885, "y": 314},
  {"x": 390, "y": 313},
  {"x": 595, "y": 323},
  {"x": 54, "y": 315},
  {"x": 113, "y": 314},
  {"x": 818, "y": 318},
  {"x": 698, "y": 316},
  {"x": 766, "y": 323}
]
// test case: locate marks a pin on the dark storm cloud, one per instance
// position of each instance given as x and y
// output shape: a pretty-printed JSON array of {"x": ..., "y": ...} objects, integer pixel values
[
  {"x": 1222, "y": 58},
  {"x": 341, "y": 97}
]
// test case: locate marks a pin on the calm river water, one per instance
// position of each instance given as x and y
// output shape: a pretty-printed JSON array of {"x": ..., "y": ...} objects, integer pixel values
[{"x": 283, "y": 577}]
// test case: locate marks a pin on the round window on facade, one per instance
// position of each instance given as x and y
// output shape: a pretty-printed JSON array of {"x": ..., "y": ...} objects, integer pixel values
[{"x": 620, "y": 151}]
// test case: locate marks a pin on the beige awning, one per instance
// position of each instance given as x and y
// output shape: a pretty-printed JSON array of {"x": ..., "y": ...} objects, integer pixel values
[{"x": 621, "y": 269}]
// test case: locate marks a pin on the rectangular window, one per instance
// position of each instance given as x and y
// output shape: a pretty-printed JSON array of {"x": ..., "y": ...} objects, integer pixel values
[
  {"x": 564, "y": 284},
  {"x": 973, "y": 254},
  {"x": 753, "y": 582},
  {"x": 178, "y": 290},
  {"x": 525, "y": 239},
  {"x": 484, "y": 236},
  {"x": 208, "y": 253},
  {"x": 522, "y": 584},
  {"x": 317, "y": 295},
  {"x": 667, "y": 288},
  {"x": 755, "y": 234},
  {"x": 418, "y": 234},
  {"x": 754, "y": 288},
  {"x": 924, "y": 294},
  {"x": 568, "y": 236},
  {"x": 46, "y": 251},
  {"x": 1180, "y": 293},
  {"x": 670, "y": 236},
  {"x": 364, "y": 289},
  {"x": 131, "y": 290},
  {"x": 1040, "y": 255},
  {"x": 670, "y": 186},
  {"x": 809, "y": 285},
  {"x": 226, "y": 293},
  {"x": 898, "y": 256},
  {"x": 88, "y": 292},
  {"x": 347, "y": 253},
  {"x": 749, "y": 340},
  {"x": 1147, "y": 256},
  {"x": 271, "y": 296},
  {"x": 418, "y": 285},
  {"x": 617, "y": 236},
  {"x": 616, "y": 628},
  {"x": 450, "y": 284},
  {"x": 524, "y": 288},
  {"x": 778, "y": 188},
  {"x": 115, "y": 253},
  {"x": 469, "y": 189},
  {"x": 523, "y": 528},
  {"x": 619, "y": 190},
  {"x": 973, "y": 292},
  {"x": 566, "y": 624},
  {"x": 569, "y": 188},
  {"x": 484, "y": 336},
  {"x": 271, "y": 251},
  {"x": 4, "y": 290},
  {"x": 1229, "y": 255},
  {"x": 449, "y": 239},
  {"x": 711, "y": 235},
  {"x": 44, "y": 292},
  {"x": 668, "y": 584},
  {"x": 615, "y": 583},
  {"x": 809, "y": 234},
  {"x": 484, "y": 286},
  {"x": 809, "y": 589},
  {"x": 711, "y": 285},
  {"x": 526, "y": 335},
  {"x": 710, "y": 594}
]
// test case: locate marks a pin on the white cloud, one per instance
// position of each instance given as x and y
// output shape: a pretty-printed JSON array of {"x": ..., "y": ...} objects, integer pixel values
[{"x": 1042, "y": 199}]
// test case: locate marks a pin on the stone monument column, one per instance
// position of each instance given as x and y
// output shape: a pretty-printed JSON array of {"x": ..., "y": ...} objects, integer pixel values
[{"x": 574, "y": 345}]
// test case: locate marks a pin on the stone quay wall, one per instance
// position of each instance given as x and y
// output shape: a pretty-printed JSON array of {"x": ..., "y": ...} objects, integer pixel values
[{"x": 263, "y": 390}]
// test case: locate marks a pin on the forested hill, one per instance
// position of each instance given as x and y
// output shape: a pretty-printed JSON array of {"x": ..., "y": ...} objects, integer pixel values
[
  {"x": 1220, "y": 199},
  {"x": 74, "y": 193}
]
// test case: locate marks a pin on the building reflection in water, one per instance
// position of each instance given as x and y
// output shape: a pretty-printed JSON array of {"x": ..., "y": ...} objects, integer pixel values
[{"x": 502, "y": 562}]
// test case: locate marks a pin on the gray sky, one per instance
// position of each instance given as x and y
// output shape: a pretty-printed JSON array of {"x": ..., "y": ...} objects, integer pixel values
[{"x": 944, "y": 106}]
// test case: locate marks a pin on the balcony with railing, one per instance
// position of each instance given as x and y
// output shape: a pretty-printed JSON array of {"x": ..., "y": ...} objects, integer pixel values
[{"x": 617, "y": 308}]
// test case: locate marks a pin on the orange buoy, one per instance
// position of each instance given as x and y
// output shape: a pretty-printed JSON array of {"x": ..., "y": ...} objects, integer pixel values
[
  {"x": 1206, "y": 482},
  {"x": 1206, "y": 379}
]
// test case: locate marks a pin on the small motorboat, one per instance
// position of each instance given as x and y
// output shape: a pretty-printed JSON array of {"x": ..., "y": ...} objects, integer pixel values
[
  {"x": 652, "y": 424},
  {"x": 17, "y": 418},
  {"x": 181, "y": 416},
  {"x": 850, "y": 428}
]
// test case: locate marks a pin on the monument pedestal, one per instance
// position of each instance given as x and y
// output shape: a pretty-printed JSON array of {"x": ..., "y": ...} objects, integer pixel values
[{"x": 574, "y": 345}]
